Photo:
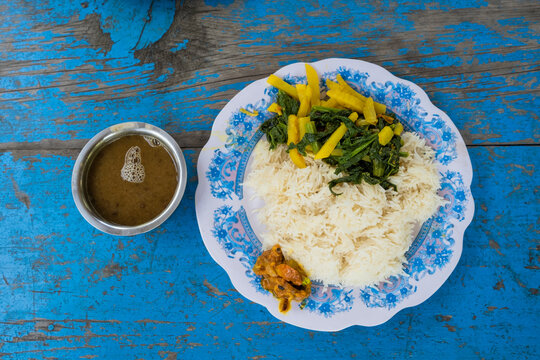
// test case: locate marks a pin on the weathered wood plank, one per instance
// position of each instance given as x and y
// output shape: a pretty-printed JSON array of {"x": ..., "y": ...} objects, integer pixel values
[
  {"x": 192, "y": 139},
  {"x": 70, "y": 291},
  {"x": 70, "y": 69},
  {"x": 67, "y": 76}
]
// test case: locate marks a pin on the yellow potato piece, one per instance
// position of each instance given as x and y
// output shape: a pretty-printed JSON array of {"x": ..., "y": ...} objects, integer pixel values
[
  {"x": 369, "y": 112},
  {"x": 346, "y": 100},
  {"x": 385, "y": 135},
  {"x": 332, "y": 142},
  {"x": 313, "y": 83},
  {"x": 303, "y": 95},
  {"x": 297, "y": 159},
  {"x": 282, "y": 85}
]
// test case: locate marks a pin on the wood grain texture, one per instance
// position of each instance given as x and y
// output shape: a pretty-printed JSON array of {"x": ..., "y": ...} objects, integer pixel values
[
  {"x": 71, "y": 291},
  {"x": 69, "y": 69}
]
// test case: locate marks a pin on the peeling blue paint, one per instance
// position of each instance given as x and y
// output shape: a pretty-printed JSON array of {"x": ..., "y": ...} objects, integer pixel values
[
  {"x": 62, "y": 268},
  {"x": 125, "y": 29},
  {"x": 218, "y": 2},
  {"x": 68, "y": 291},
  {"x": 180, "y": 46}
]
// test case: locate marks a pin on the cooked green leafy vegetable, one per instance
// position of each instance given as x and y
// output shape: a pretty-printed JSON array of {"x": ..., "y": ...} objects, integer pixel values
[
  {"x": 276, "y": 127},
  {"x": 359, "y": 155}
]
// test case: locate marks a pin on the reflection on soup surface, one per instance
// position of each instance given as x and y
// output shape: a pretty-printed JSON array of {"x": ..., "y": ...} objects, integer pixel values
[{"x": 132, "y": 180}]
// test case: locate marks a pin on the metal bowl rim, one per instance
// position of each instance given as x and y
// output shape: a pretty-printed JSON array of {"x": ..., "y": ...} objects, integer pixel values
[{"x": 105, "y": 137}]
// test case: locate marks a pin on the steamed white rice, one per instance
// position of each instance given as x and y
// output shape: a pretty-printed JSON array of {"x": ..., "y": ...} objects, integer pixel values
[{"x": 358, "y": 238}]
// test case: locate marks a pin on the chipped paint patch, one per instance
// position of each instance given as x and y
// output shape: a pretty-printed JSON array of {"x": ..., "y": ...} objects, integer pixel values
[
  {"x": 212, "y": 290},
  {"x": 499, "y": 285},
  {"x": 443, "y": 318},
  {"x": 21, "y": 195},
  {"x": 495, "y": 245},
  {"x": 450, "y": 327}
]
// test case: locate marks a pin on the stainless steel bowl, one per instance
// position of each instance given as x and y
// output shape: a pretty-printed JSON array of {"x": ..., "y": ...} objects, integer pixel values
[{"x": 96, "y": 144}]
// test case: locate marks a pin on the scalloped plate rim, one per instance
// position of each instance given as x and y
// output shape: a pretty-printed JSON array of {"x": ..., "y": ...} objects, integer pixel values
[{"x": 385, "y": 314}]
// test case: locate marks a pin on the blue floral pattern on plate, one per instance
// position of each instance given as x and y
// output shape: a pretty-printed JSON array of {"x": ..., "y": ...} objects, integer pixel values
[
  {"x": 235, "y": 235},
  {"x": 433, "y": 248}
]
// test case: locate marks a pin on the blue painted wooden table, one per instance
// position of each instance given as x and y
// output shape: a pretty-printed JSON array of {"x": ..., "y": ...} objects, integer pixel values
[{"x": 68, "y": 69}]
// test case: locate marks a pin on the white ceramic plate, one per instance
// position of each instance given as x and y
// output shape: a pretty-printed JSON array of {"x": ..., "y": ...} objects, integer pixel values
[{"x": 224, "y": 212}]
